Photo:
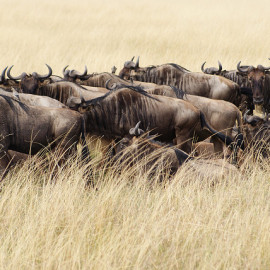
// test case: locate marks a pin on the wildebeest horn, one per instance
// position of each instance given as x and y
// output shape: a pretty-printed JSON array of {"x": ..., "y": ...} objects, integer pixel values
[
  {"x": 15, "y": 78},
  {"x": 114, "y": 68},
  {"x": 219, "y": 66},
  {"x": 211, "y": 70},
  {"x": 107, "y": 85},
  {"x": 202, "y": 67},
  {"x": 132, "y": 58},
  {"x": 74, "y": 73},
  {"x": 65, "y": 72},
  {"x": 3, "y": 75},
  {"x": 43, "y": 77},
  {"x": 245, "y": 116},
  {"x": 15, "y": 93},
  {"x": 137, "y": 63},
  {"x": 252, "y": 119},
  {"x": 242, "y": 69},
  {"x": 136, "y": 130}
]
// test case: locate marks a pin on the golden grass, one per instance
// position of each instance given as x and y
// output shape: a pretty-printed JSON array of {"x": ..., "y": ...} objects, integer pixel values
[{"x": 53, "y": 222}]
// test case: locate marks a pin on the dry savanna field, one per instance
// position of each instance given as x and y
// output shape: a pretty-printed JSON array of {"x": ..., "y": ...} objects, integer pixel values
[{"x": 50, "y": 220}]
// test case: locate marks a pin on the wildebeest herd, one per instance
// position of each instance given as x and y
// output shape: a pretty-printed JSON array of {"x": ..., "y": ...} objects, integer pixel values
[{"x": 163, "y": 108}]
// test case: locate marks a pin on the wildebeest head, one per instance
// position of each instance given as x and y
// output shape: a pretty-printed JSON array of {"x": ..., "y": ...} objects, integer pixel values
[
  {"x": 73, "y": 75},
  {"x": 138, "y": 145},
  {"x": 29, "y": 83},
  {"x": 256, "y": 79},
  {"x": 212, "y": 70},
  {"x": 257, "y": 133},
  {"x": 130, "y": 139},
  {"x": 129, "y": 66}
]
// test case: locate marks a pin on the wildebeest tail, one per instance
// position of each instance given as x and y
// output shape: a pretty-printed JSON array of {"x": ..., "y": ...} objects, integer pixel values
[
  {"x": 227, "y": 140},
  {"x": 239, "y": 139}
]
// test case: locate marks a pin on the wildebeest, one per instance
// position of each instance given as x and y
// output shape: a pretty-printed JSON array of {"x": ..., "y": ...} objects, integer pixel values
[
  {"x": 113, "y": 114},
  {"x": 221, "y": 115},
  {"x": 154, "y": 157},
  {"x": 33, "y": 100},
  {"x": 62, "y": 90},
  {"x": 237, "y": 77},
  {"x": 193, "y": 83},
  {"x": 159, "y": 157},
  {"x": 72, "y": 75},
  {"x": 28, "y": 129},
  {"x": 29, "y": 83},
  {"x": 233, "y": 75},
  {"x": 7, "y": 83},
  {"x": 257, "y": 134},
  {"x": 259, "y": 81}
]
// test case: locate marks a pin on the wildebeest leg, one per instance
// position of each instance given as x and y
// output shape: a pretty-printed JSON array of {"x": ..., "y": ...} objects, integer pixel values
[
  {"x": 183, "y": 141},
  {"x": 218, "y": 146}
]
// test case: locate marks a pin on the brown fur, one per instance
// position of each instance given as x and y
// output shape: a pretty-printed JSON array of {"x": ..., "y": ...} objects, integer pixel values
[
  {"x": 114, "y": 114},
  {"x": 63, "y": 90},
  {"x": 193, "y": 83},
  {"x": 159, "y": 157},
  {"x": 28, "y": 129}
]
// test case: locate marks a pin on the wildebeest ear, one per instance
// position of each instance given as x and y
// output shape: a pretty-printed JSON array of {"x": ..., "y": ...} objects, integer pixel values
[
  {"x": 15, "y": 93},
  {"x": 73, "y": 102}
]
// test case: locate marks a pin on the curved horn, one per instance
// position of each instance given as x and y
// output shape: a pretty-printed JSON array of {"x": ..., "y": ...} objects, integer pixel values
[
  {"x": 15, "y": 78},
  {"x": 43, "y": 77},
  {"x": 107, "y": 85},
  {"x": 114, "y": 68},
  {"x": 202, "y": 67},
  {"x": 242, "y": 69},
  {"x": 245, "y": 116},
  {"x": 3, "y": 75},
  {"x": 137, "y": 63},
  {"x": 136, "y": 130},
  {"x": 65, "y": 72},
  {"x": 251, "y": 119},
  {"x": 219, "y": 66},
  {"x": 74, "y": 73}
]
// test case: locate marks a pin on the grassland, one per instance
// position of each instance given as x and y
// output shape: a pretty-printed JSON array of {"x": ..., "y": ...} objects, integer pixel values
[{"x": 51, "y": 221}]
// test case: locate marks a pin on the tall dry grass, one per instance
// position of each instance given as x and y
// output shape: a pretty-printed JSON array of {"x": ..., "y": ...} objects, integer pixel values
[{"x": 52, "y": 221}]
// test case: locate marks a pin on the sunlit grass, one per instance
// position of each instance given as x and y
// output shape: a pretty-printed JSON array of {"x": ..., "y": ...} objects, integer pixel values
[{"x": 52, "y": 220}]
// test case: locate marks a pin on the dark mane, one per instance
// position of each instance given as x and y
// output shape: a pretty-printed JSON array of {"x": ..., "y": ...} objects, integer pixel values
[
  {"x": 179, "y": 67},
  {"x": 171, "y": 64},
  {"x": 178, "y": 92},
  {"x": 11, "y": 101},
  {"x": 137, "y": 89}
]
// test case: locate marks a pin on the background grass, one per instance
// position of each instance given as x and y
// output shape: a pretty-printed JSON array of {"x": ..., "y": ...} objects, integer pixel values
[{"x": 51, "y": 221}]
